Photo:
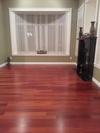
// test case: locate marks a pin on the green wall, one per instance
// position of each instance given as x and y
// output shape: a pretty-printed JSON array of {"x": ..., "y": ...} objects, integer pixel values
[
  {"x": 2, "y": 44},
  {"x": 41, "y": 4}
]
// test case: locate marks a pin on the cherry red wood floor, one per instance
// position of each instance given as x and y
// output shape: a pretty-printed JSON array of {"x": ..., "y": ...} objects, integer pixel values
[{"x": 47, "y": 99}]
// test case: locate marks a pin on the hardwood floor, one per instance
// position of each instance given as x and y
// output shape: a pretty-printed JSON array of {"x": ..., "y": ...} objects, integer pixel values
[{"x": 47, "y": 99}]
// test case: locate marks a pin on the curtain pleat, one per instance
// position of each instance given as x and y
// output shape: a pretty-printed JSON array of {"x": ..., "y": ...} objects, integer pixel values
[{"x": 41, "y": 32}]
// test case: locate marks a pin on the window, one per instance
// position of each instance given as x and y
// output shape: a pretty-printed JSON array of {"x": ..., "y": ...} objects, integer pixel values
[{"x": 36, "y": 31}]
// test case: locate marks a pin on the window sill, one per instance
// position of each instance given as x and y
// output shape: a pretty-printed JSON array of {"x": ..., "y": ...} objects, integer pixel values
[{"x": 35, "y": 54}]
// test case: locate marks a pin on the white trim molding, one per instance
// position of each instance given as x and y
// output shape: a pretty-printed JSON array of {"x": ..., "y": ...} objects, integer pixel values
[
  {"x": 39, "y": 9},
  {"x": 43, "y": 63},
  {"x": 67, "y": 38},
  {"x": 97, "y": 66},
  {"x": 96, "y": 82},
  {"x": 97, "y": 53},
  {"x": 3, "y": 65},
  {"x": 80, "y": 23}
]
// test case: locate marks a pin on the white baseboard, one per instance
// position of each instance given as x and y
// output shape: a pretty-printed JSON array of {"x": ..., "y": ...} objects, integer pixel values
[
  {"x": 43, "y": 63},
  {"x": 96, "y": 82},
  {"x": 97, "y": 66},
  {"x": 3, "y": 65}
]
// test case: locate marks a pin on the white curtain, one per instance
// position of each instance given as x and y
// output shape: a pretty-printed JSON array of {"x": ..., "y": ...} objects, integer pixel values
[{"x": 41, "y": 32}]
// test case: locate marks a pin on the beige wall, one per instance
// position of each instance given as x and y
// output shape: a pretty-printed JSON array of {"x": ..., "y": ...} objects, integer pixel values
[
  {"x": 96, "y": 74},
  {"x": 46, "y": 4},
  {"x": 41, "y": 58},
  {"x": 81, "y": 2},
  {"x": 2, "y": 46}
]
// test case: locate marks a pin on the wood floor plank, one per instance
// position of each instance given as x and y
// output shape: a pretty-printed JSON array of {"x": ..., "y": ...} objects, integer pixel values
[{"x": 47, "y": 99}]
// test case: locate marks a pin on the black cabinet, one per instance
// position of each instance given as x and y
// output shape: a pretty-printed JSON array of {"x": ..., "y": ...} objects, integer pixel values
[{"x": 86, "y": 54}]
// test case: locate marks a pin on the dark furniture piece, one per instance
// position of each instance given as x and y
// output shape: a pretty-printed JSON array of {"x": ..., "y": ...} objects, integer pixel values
[{"x": 86, "y": 54}]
